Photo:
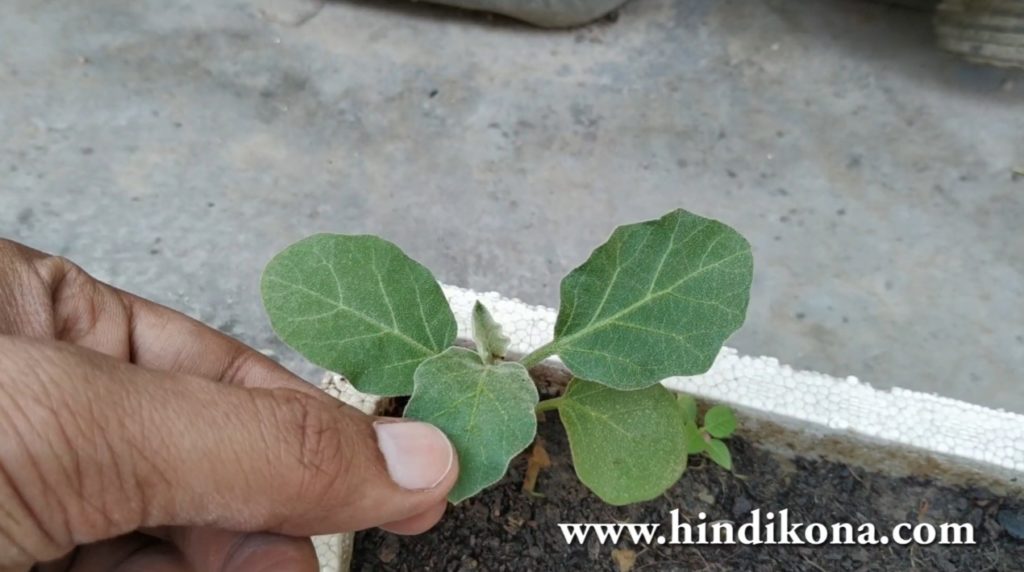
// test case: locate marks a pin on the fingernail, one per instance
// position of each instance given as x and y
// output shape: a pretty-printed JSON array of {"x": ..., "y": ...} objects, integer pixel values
[{"x": 418, "y": 455}]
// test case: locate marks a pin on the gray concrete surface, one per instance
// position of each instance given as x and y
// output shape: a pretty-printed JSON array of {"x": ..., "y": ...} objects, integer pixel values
[{"x": 172, "y": 146}]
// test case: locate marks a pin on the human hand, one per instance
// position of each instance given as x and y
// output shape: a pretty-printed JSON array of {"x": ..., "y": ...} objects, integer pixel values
[{"x": 135, "y": 438}]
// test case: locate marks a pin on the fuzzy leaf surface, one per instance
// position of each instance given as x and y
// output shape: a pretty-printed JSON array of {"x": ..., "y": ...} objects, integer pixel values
[
  {"x": 486, "y": 410},
  {"x": 359, "y": 306},
  {"x": 491, "y": 343},
  {"x": 657, "y": 300},
  {"x": 626, "y": 445}
]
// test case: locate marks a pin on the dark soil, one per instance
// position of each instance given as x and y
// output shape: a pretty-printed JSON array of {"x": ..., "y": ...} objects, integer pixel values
[{"x": 507, "y": 529}]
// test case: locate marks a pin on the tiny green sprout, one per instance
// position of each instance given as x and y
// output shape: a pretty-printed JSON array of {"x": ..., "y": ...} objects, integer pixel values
[
  {"x": 658, "y": 299},
  {"x": 491, "y": 343},
  {"x": 719, "y": 423}
]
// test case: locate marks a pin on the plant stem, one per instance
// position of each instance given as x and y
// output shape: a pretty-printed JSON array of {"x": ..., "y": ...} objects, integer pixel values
[
  {"x": 548, "y": 404},
  {"x": 538, "y": 355}
]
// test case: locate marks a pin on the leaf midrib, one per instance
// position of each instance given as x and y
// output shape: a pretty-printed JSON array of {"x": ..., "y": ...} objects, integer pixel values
[
  {"x": 593, "y": 326},
  {"x": 571, "y": 405},
  {"x": 338, "y": 304}
]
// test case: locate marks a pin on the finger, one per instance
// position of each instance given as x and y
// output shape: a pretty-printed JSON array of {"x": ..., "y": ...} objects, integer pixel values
[
  {"x": 214, "y": 550},
  {"x": 419, "y": 523},
  {"x": 164, "y": 339},
  {"x": 62, "y": 564},
  {"x": 157, "y": 557},
  {"x": 129, "y": 553},
  {"x": 49, "y": 297},
  {"x": 132, "y": 447}
]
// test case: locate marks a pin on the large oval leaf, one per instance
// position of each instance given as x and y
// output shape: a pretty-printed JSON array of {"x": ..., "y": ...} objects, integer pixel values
[
  {"x": 486, "y": 410},
  {"x": 658, "y": 299},
  {"x": 627, "y": 446},
  {"x": 359, "y": 306}
]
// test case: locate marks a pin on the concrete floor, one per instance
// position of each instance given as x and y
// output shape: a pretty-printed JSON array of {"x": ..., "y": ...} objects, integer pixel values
[{"x": 172, "y": 146}]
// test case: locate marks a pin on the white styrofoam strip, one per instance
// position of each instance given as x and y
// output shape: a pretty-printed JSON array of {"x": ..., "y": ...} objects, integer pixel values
[
  {"x": 919, "y": 420},
  {"x": 930, "y": 423}
]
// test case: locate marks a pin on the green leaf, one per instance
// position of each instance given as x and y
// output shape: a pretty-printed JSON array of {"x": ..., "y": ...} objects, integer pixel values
[
  {"x": 657, "y": 300},
  {"x": 622, "y": 445},
  {"x": 359, "y": 306},
  {"x": 693, "y": 439},
  {"x": 487, "y": 410},
  {"x": 719, "y": 453},
  {"x": 491, "y": 344},
  {"x": 719, "y": 421},
  {"x": 689, "y": 407}
]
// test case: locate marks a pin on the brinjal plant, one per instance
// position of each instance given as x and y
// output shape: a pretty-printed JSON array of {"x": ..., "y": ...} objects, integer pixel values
[
  {"x": 658, "y": 299},
  {"x": 719, "y": 424}
]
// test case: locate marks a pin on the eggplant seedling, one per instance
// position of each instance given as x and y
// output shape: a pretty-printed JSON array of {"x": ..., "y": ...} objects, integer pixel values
[
  {"x": 719, "y": 424},
  {"x": 658, "y": 299}
]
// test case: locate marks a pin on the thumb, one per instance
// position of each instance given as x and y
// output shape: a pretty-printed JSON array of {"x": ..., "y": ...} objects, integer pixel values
[{"x": 92, "y": 447}]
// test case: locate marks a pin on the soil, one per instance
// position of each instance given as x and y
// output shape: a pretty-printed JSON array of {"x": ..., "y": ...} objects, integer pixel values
[{"x": 506, "y": 529}]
